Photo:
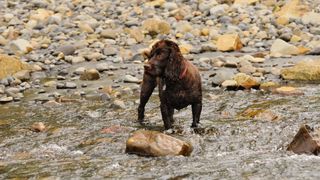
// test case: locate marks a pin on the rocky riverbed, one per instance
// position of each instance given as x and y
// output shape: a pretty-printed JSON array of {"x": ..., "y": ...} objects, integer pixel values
[{"x": 75, "y": 66}]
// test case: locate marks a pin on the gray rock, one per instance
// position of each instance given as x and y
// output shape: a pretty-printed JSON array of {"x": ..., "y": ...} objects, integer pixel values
[
  {"x": 66, "y": 50},
  {"x": 218, "y": 10},
  {"x": 109, "y": 33},
  {"x": 130, "y": 79},
  {"x": 21, "y": 45},
  {"x": 79, "y": 70},
  {"x": 38, "y": 75},
  {"x": 170, "y": 6},
  {"x": 67, "y": 85},
  {"x": 110, "y": 51},
  {"x": 71, "y": 85},
  {"x": 23, "y": 75},
  {"x": 222, "y": 75},
  {"x": 2, "y": 87},
  {"x": 102, "y": 67},
  {"x": 6, "y": 99}
]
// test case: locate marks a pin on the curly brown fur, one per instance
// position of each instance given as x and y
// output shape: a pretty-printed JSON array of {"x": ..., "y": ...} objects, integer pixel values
[{"x": 178, "y": 80}]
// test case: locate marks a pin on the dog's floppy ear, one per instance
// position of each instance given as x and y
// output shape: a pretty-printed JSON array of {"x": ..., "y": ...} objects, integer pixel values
[
  {"x": 173, "y": 68},
  {"x": 146, "y": 54}
]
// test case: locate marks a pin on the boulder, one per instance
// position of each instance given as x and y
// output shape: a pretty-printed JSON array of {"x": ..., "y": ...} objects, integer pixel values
[
  {"x": 307, "y": 70},
  {"x": 153, "y": 143},
  {"x": 10, "y": 65},
  {"x": 281, "y": 48},
  {"x": 246, "y": 81},
  {"x": 229, "y": 42},
  {"x": 304, "y": 142}
]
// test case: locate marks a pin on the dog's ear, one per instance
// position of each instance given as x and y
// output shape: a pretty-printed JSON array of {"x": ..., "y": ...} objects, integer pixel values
[
  {"x": 173, "y": 68},
  {"x": 146, "y": 54}
]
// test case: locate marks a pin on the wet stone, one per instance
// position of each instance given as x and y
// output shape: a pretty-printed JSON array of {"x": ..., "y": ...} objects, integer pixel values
[
  {"x": 6, "y": 99},
  {"x": 67, "y": 85},
  {"x": 153, "y": 143},
  {"x": 131, "y": 79}
]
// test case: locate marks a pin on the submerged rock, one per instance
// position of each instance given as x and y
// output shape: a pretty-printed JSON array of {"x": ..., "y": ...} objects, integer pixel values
[
  {"x": 153, "y": 143},
  {"x": 304, "y": 142}
]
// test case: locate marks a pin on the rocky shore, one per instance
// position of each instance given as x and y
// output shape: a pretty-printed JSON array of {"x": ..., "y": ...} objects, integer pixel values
[{"x": 55, "y": 50}]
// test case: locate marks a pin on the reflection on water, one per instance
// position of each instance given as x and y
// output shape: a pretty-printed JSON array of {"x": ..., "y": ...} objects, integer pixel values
[{"x": 225, "y": 146}]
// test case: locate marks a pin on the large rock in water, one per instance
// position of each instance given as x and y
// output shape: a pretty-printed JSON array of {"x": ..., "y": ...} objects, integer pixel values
[
  {"x": 10, "y": 65},
  {"x": 307, "y": 70},
  {"x": 153, "y": 143},
  {"x": 229, "y": 42}
]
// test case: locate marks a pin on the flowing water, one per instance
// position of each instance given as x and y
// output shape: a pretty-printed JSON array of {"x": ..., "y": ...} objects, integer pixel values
[{"x": 232, "y": 143}]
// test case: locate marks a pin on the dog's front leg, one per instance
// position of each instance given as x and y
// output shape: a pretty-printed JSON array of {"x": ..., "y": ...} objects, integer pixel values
[
  {"x": 196, "y": 112},
  {"x": 166, "y": 115},
  {"x": 148, "y": 84}
]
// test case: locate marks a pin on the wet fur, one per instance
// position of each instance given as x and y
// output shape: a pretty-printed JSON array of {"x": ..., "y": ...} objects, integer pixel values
[{"x": 178, "y": 80}]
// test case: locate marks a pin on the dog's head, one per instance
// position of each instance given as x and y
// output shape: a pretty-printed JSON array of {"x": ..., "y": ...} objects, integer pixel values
[{"x": 164, "y": 59}]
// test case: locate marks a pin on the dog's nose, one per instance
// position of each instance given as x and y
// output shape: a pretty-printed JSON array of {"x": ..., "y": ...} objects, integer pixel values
[{"x": 146, "y": 65}]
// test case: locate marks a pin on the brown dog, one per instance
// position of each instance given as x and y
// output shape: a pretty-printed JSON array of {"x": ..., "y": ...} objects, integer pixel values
[{"x": 178, "y": 80}]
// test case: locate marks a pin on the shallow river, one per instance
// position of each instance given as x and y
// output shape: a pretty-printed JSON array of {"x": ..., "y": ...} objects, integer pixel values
[{"x": 231, "y": 143}]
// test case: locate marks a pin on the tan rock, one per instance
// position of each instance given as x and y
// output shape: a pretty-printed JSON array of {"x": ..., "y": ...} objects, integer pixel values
[
  {"x": 293, "y": 9},
  {"x": 85, "y": 27},
  {"x": 229, "y": 42},
  {"x": 137, "y": 34},
  {"x": 303, "y": 50},
  {"x": 90, "y": 74},
  {"x": 287, "y": 90},
  {"x": 155, "y": 26},
  {"x": 155, "y": 3},
  {"x": 41, "y": 15},
  {"x": 185, "y": 48},
  {"x": 307, "y": 70},
  {"x": 245, "y": 2},
  {"x": 10, "y": 65},
  {"x": 268, "y": 86},
  {"x": 38, "y": 127},
  {"x": 295, "y": 39},
  {"x": 246, "y": 81},
  {"x": 205, "y": 32},
  {"x": 281, "y": 48},
  {"x": 153, "y": 143}
]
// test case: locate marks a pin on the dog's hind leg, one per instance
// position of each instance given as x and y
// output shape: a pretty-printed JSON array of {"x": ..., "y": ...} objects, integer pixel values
[{"x": 196, "y": 112}]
